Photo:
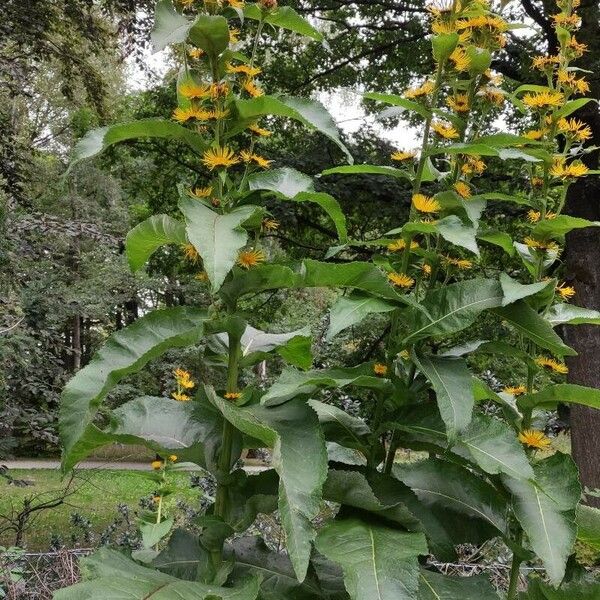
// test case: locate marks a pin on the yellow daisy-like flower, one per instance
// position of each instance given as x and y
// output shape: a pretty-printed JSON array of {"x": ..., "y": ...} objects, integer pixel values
[
  {"x": 515, "y": 390},
  {"x": 248, "y": 70},
  {"x": 401, "y": 280},
  {"x": 404, "y": 354},
  {"x": 462, "y": 189},
  {"x": 202, "y": 276},
  {"x": 419, "y": 91},
  {"x": 249, "y": 157},
  {"x": 173, "y": 457},
  {"x": 445, "y": 130},
  {"x": 270, "y": 224},
  {"x": 545, "y": 62},
  {"x": 541, "y": 245},
  {"x": 236, "y": 3},
  {"x": 492, "y": 94},
  {"x": 535, "y": 134},
  {"x": 204, "y": 192},
  {"x": 576, "y": 48},
  {"x": 234, "y": 35},
  {"x": 254, "y": 128},
  {"x": 190, "y": 252},
  {"x": 575, "y": 84},
  {"x": 426, "y": 269},
  {"x": 214, "y": 158},
  {"x": 402, "y": 155},
  {"x": 575, "y": 129},
  {"x": 552, "y": 364},
  {"x": 400, "y": 244},
  {"x": 534, "y": 439},
  {"x": 458, "y": 103},
  {"x": 473, "y": 165},
  {"x": 218, "y": 90},
  {"x": 232, "y": 395},
  {"x": 572, "y": 170},
  {"x": 196, "y": 53},
  {"x": 218, "y": 113},
  {"x": 566, "y": 292},
  {"x": 181, "y": 115},
  {"x": 461, "y": 263},
  {"x": 194, "y": 90},
  {"x": 380, "y": 369},
  {"x": 425, "y": 204},
  {"x": 250, "y": 258},
  {"x": 533, "y": 216},
  {"x": 460, "y": 59},
  {"x": 543, "y": 100},
  {"x": 156, "y": 464},
  {"x": 180, "y": 397},
  {"x": 184, "y": 379},
  {"x": 252, "y": 89},
  {"x": 567, "y": 21}
]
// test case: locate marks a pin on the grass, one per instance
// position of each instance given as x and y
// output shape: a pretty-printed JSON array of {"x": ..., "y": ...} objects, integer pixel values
[{"x": 96, "y": 496}]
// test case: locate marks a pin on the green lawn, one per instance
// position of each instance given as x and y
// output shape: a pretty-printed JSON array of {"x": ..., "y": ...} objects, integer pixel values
[{"x": 97, "y": 494}]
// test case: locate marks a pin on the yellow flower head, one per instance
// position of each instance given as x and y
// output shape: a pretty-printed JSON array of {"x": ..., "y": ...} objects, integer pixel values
[
  {"x": 190, "y": 252},
  {"x": 250, "y": 258},
  {"x": 173, "y": 457},
  {"x": 270, "y": 224},
  {"x": 402, "y": 155},
  {"x": 460, "y": 59},
  {"x": 194, "y": 90},
  {"x": 492, "y": 94},
  {"x": 218, "y": 90},
  {"x": 534, "y": 439},
  {"x": 562, "y": 170},
  {"x": 552, "y": 364},
  {"x": 515, "y": 390},
  {"x": 533, "y": 216},
  {"x": 566, "y": 292},
  {"x": 249, "y": 157},
  {"x": 202, "y": 276},
  {"x": 252, "y": 89},
  {"x": 461, "y": 263},
  {"x": 543, "y": 63},
  {"x": 180, "y": 397},
  {"x": 445, "y": 130},
  {"x": 458, "y": 103},
  {"x": 534, "y": 134},
  {"x": 233, "y": 395},
  {"x": 404, "y": 354},
  {"x": 401, "y": 280},
  {"x": 573, "y": 83},
  {"x": 425, "y": 204},
  {"x": 426, "y": 269},
  {"x": 380, "y": 369},
  {"x": 204, "y": 192},
  {"x": 247, "y": 70},
  {"x": 541, "y": 245},
  {"x": 184, "y": 378},
  {"x": 577, "y": 50},
  {"x": 473, "y": 165},
  {"x": 567, "y": 21},
  {"x": 575, "y": 129},
  {"x": 236, "y": 3},
  {"x": 543, "y": 100},
  {"x": 400, "y": 244},
  {"x": 182, "y": 115},
  {"x": 234, "y": 35},
  {"x": 254, "y": 128},
  {"x": 419, "y": 91},
  {"x": 156, "y": 464},
  {"x": 462, "y": 189},
  {"x": 195, "y": 53},
  {"x": 214, "y": 158}
]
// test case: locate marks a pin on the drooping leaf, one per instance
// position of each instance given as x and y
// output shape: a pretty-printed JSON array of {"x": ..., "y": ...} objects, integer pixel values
[
  {"x": 284, "y": 17},
  {"x": 435, "y": 586},
  {"x": 451, "y": 380},
  {"x": 125, "y": 352},
  {"x": 152, "y": 533},
  {"x": 183, "y": 557},
  {"x": 210, "y": 33},
  {"x": 513, "y": 290},
  {"x": 498, "y": 238},
  {"x": 545, "y": 508},
  {"x": 285, "y": 181},
  {"x": 588, "y": 525},
  {"x": 561, "y": 225},
  {"x": 300, "y": 459},
  {"x": 367, "y": 170},
  {"x": 534, "y": 327},
  {"x": 569, "y": 393},
  {"x": 170, "y": 27},
  {"x": 379, "y": 563},
  {"x": 453, "y": 230},
  {"x": 350, "y": 310},
  {"x": 144, "y": 239},
  {"x": 563, "y": 313},
  {"x": 217, "y": 237}
]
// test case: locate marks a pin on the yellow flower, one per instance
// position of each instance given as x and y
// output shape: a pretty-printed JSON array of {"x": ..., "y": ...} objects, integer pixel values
[
  {"x": 248, "y": 70},
  {"x": 461, "y": 263},
  {"x": 173, "y": 457},
  {"x": 425, "y": 204},
  {"x": 401, "y": 280},
  {"x": 569, "y": 80},
  {"x": 214, "y": 158},
  {"x": 270, "y": 224},
  {"x": 194, "y": 90},
  {"x": 534, "y": 439},
  {"x": 492, "y": 95},
  {"x": 553, "y": 365},
  {"x": 484, "y": 22},
  {"x": 534, "y": 134},
  {"x": 218, "y": 90},
  {"x": 426, "y": 269},
  {"x": 249, "y": 157},
  {"x": 566, "y": 292},
  {"x": 236, "y": 3},
  {"x": 544, "y": 62},
  {"x": 252, "y": 89},
  {"x": 458, "y": 103},
  {"x": 404, "y": 354},
  {"x": 537, "y": 182},
  {"x": 202, "y": 276},
  {"x": 516, "y": 390},
  {"x": 254, "y": 128},
  {"x": 186, "y": 3},
  {"x": 533, "y": 216},
  {"x": 233, "y": 395},
  {"x": 233, "y": 35},
  {"x": 540, "y": 245},
  {"x": 380, "y": 369},
  {"x": 543, "y": 99},
  {"x": 400, "y": 244},
  {"x": 568, "y": 171},
  {"x": 576, "y": 48},
  {"x": 218, "y": 113},
  {"x": 204, "y": 192},
  {"x": 575, "y": 129},
  {"x": 180, "y": 397},
  {"x": 196, "y": 53},
  {"x": 156, "y": 464},
  {"x": 473, "y": 165},
  {"x": 460, "y": 59},
  {"x": 462, "y": 189},
  {"x": 419, "y": 91},
  {"x": 181, "y": 115},
  {"x": 567, "y": 21},
  {"x": 250, "y": 258},
  {"x": 184, "y": 378},
  {"x": 190, "y": 252},
  {"x": 445, "y": 130},
  {"x": 402, "y": 155}
]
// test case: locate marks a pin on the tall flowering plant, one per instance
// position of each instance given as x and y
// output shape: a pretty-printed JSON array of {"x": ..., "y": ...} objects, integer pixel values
[{"x": 482, "y": 474}]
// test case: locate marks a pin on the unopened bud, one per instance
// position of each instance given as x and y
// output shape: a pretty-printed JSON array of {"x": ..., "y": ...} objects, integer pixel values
[{"x": 268, "y": 4}]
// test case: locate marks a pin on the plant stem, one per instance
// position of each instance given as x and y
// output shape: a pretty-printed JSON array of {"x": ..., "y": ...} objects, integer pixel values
[
  {"x": 514, "y": 573},
  {"x": 391, "y": 455}
]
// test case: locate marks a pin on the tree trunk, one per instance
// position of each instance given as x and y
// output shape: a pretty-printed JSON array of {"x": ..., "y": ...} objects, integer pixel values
[{"x": 582, "y": 259}]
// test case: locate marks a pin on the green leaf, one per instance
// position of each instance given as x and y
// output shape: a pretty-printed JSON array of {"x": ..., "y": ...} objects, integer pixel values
[
  {"x": 285, "y": 181},
  {"x": 97, "y": 140},
  {"x": 395, "y": 100},
  {"x": 300, "y": 459},
  {"x": 170, "y": 27},
  {"x": 379, "y": 563},
  {"x": 451, "y": 381},
  {"x": 563, "y": 313},
  {"x": 284, "y": 17},
  {"x": 210, "y": 32},
  {"x": 534, "y": 327},
  {"x": 561, "y": 225},
  {"x": 443, "y": 45},
  {"x": 308, "y": 112},
  {"x": 109, "y": 575},
  {"x": 572, "y": 105},
  {"x": 435, "y": 586},
  {"x": 453, "y": 230},
  {"x": 144, "y": 239},
  {"x": 575, "y": 590},
  {"x": 217, "y": 237},
  {"x": 152, "y": 533},
  {"x": 293, "y": 383},
  {"x": 453, "y": 308},
  {"x": 367, "y": 170},
  {"x": 450, "y": 486},
  {"x": 183, "y": 557},
  {"x": 480, "y": 59},
  {"x": 126, "y": 351},
  {"x": 588, "y": 525},
  {"x": 498, "y": 238},
  {"x": 350, "y": 310},
  {"x": 331, "y": 206},
  {"x": 569, "y": 393},
  {"x": 545, "y": 509},
  {"x": 513, "y": 290}
]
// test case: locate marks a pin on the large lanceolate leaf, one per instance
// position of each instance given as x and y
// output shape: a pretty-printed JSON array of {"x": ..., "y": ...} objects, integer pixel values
[
  {"x": 453, "y": 307},
  {"x": 561, "y": 225},
  {"x": 170, "y": 27},
  {"x": 284, "y": 17},
  {"x": 293, "y": 185},
  {"x": 125, "y": 352},
  {"x": 586, "y": 589},
  {"x": 379, "y": 563},
  {"x": 308, "y": 112},
  {"x": 513, "y": 290},
  {"x": 450, "y": 486},
  {"x": 568, "y": 314},
  {"x": 96, "y": 141},
  {"x": 569, "y": 393},
  {"x": 109, "y": 575},
  {"x": 217, "y": 237},
  {"x": 144, "y": 239},
  {"x": 435, "y": 586},
  {"x": 292, "y": 383},
  {"x": 545, "y": 508},
  {"x": 367, "y": 170},
  {"x": 350, "y": 310},
  {"x": 533, "y": 326},
  {"x": 588, "y": 525},
  {"x": 451, "y": 381},
  {"x": 300, "y": 459}
]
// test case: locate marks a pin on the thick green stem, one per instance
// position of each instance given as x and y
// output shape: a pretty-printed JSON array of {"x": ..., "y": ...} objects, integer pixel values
[
  {"x": 514, "y": 573},
  {"x": 391, "y": 455}
]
